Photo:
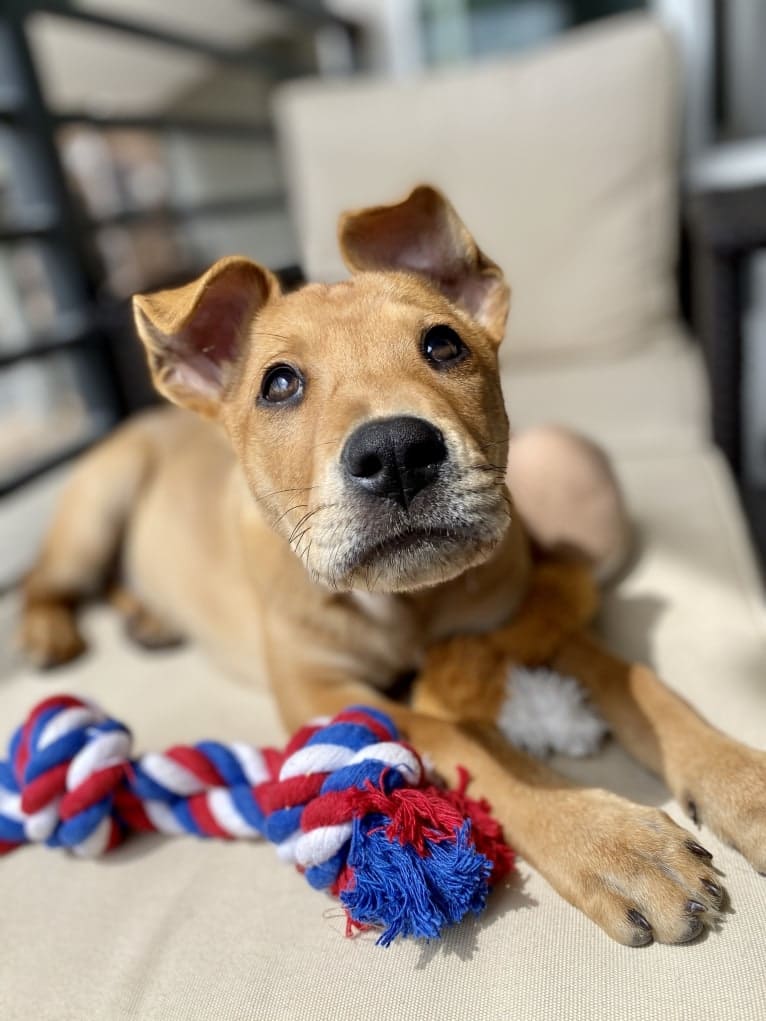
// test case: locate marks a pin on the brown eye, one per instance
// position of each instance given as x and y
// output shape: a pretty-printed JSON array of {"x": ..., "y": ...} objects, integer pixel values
[
  {"x": 280, "y": 384},
  {"x": 442, "y": 346}
]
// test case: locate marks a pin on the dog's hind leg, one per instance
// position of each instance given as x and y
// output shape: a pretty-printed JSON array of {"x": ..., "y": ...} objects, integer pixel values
[
  {"x": 82, "y": 545},
  {"x": 566, "y": 491}
]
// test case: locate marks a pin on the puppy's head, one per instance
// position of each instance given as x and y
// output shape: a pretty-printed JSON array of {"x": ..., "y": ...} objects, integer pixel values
[{"x": 367, "y": 415}]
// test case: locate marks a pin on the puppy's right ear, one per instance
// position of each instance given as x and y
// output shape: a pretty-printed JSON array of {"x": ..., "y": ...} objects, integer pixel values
[{"x": 195, "y": 334}]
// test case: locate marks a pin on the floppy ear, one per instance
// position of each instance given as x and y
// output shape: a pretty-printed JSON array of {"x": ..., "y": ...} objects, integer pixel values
[
  {"x": 194, "y": 334},
  {"x": 423, "y": 234}
]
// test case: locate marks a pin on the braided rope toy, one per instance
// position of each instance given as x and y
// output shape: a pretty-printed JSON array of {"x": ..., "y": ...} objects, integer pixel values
[{"x": 347, "y": 802}]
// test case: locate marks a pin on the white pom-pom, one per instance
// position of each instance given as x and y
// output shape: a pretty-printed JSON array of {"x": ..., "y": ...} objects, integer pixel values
[{"x": 545, "y": 713}]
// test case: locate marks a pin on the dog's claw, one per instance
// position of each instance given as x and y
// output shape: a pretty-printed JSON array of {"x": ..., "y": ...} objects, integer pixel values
[
  {"x": 712, "y": 888},
  {"x": 638, "y": 919},
  {"x": 696, "y": 925},
  {"x": 643, "y": 934},
  {"x": 698, "y": 849}
]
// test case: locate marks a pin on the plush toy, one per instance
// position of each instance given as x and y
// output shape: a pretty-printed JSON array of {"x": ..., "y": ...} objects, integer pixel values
[
  {"x": 347, "y": 802},
  {"x": 503, "y": 677}
]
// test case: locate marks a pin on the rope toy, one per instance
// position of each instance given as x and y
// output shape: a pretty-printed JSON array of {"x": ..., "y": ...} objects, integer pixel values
[{"x": 347, "y": 802}]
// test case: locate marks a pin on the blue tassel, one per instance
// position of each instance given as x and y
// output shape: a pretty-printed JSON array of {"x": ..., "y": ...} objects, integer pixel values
[{"x": 410, "y": 894}]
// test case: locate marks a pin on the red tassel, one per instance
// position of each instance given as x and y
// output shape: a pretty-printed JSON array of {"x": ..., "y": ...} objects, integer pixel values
[{"x": 486, "y": 831}]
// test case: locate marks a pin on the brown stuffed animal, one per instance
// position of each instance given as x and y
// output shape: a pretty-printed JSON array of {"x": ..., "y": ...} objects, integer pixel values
[{"x": 465, "y": 679}]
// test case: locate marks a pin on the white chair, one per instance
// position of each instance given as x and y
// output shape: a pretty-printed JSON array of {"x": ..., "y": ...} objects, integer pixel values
[{"x": 563, "y": 163}]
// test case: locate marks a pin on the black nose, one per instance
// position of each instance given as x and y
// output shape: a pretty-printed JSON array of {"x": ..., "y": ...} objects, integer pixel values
[{"x": 394, "y": 458}]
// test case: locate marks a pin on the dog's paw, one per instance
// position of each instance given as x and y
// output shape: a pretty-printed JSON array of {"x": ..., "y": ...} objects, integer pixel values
[
  {"x": 49, "y": 635},
  {"x": 727, "y": 792},
  {"x": 152, "y": 632},
  {"x": 631, "y": 869}
]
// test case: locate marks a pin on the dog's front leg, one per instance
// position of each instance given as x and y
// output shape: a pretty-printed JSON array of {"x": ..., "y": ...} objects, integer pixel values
[
  {"x": 629, "y": 868},
  {"x": 717, "y": 780}
]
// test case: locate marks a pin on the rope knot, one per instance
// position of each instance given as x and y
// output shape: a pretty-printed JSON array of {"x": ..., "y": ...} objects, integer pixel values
[{"x": 67, "y": 762}]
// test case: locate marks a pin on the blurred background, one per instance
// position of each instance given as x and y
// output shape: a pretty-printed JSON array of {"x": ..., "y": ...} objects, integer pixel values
[{"x": 140, "y": 141}]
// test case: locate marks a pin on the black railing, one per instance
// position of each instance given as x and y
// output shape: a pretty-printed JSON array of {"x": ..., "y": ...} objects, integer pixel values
[
  {"x": 98, "y": 328},
  {"x": 228, "y": 129}
]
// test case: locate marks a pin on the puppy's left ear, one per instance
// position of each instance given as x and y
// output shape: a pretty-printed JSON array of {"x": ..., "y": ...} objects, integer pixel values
[
  {"x": 424, "y": 235},
  {"x": 194, "y": 335}
]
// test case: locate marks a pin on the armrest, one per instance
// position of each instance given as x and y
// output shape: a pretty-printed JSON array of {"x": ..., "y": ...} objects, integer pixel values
[
  {"x": 725, "y": 226},
  {"x": 730, "y": 221}
]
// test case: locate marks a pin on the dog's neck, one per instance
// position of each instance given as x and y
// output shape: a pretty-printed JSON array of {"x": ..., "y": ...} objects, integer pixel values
[{"x": 483, "y": 597}]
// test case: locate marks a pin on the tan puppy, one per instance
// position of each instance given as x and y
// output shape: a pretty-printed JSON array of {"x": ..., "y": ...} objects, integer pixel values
[{"x": 348, "y": 507}]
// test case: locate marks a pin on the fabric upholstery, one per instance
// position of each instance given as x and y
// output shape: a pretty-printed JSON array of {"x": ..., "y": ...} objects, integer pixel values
[
  {"x": 651, "y": 397},
  {"x": 562, "y": 163}
]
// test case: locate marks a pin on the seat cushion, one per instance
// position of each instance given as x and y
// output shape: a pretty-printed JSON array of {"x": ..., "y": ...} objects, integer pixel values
[
  {"x": 562, "y": 163},
  {"x": 651, "y": 398},
  {"x": 178, "y": 928}
]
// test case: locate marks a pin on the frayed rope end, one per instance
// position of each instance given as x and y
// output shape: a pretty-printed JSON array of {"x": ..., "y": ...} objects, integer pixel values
[{"x": 420, "y": 860}]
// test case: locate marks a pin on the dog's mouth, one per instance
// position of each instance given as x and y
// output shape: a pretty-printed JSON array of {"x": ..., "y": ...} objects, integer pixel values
[
  {"x": 417, "y": 542},
  {"x": 411, "y": 558}
]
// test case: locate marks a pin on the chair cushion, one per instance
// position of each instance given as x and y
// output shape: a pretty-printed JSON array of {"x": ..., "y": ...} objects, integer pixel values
[
  {"x": 562, "y": 163},
  {"x": 179, "y": 928},
  {"x": 652, "y": 397}
]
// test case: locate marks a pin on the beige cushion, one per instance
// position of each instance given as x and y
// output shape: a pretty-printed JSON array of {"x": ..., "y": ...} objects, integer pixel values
[
  {"x": 652, "y": 397},
  {"x": 178, "y": 928},
  {"x": 562, "y": 163}
]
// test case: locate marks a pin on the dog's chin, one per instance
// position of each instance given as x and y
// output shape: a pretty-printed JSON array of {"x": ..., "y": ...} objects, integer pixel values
[{"x": 414, "y": 559}]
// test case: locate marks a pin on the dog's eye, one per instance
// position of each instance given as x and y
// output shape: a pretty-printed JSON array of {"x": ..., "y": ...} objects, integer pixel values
[
  {"x": 442, "y": 346},
  {"x": 281, "y": 383}
]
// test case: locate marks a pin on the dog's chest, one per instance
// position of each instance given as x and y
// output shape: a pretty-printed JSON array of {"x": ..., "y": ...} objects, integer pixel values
[
  {"x": 388, "y": 634},
  {"x": 381, "y": 610}
]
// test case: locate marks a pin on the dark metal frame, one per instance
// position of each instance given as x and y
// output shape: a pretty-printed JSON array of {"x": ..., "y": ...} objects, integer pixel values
[
  {"x": 726, "y": 227},
  {"x": 103, "y": 327}
]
